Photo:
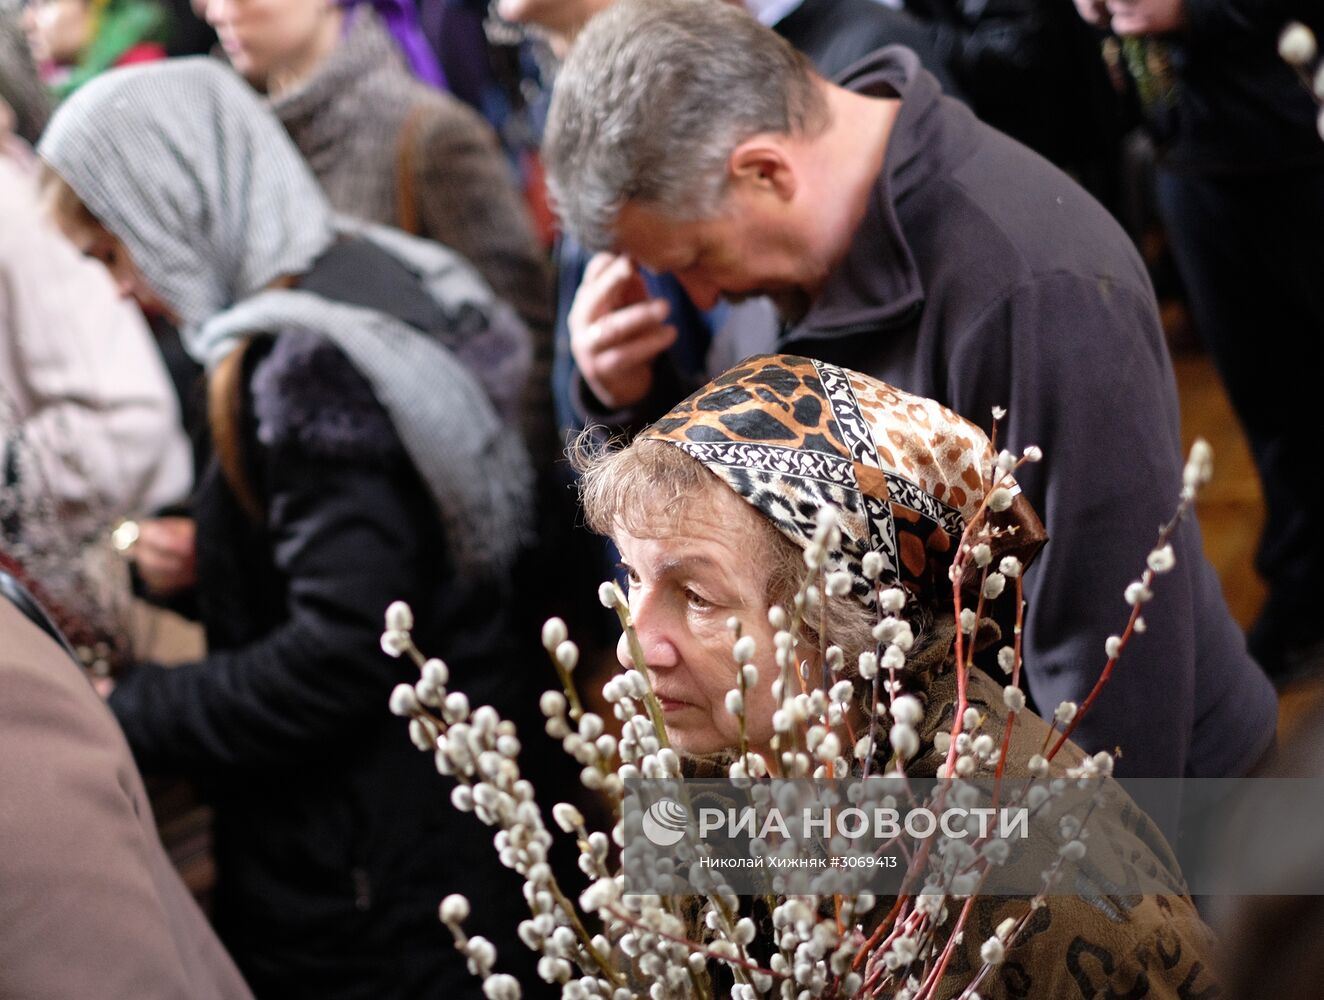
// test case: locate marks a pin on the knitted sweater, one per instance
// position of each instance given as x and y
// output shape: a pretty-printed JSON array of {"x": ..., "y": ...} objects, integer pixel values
[{"x": 349, "y": 121}]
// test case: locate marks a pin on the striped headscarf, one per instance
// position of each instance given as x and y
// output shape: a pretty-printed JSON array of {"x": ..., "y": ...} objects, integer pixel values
[
  {"x": 905, "y": 474},
  {"x": 182, "y": 163}
]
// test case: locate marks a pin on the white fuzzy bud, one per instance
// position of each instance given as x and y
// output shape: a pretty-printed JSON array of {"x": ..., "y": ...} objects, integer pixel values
[
  {"x": 590, "y": 726},
  {"x": 567, "y": 655},
  {"x": 395, "y": 642},
  {"x": 399, "y": 617},
  {"x": 567, "y": 817},
  {"x": 1112, "y": 646},
  {"x": 749, "y": 674},
  {"x": 1199, "y": 467},
  {"x": 1140, "y": 625},
  {"x": 454, "y": 910},
  {"x": 735, "y": 702},
  {"x": 1013, "y": 698},
  {"x": 1000, "y": 499},
  {"x": 435, "y": 673},
  {"x": 1072, "y": 850},
  {"x": 992, "y": 951},
  {"x": 1033, "y": 453},
  {"x": 554, "y": 633},
  {"x": 904, "y": 740},
  {"x": 841, "y": 692},
  {"x": 502, "y": 986},
  {"x": 1010, "y": 566},
  {"x": 892, "y": 600},
  {"x": 457, "y": 705},
  {"x": 1007, "y": 658},
  {"x": 872, "y": 566},
  {"x": 1161, "y": 560},
  {"x": 999, "y": 412},
  {"x": 1137, "y": 593},
  {"x": 1296, "y": 45},
  {"x": 967, "y": 621},
  {"x": 482, "y": 955},
  {"x": 744, "y": 649},
  {"x": 907, "y": 711},
  {"x": 1038, "y": 766},
  {"x": 552, "y": 703},
  {"x": 839, "y": 584},
  {"x": 993, "y": 585},
  {"x": 404, "y": 700},
  {"x": 981, "y": 554},
  {"x": 607, "y": 595},
  {"x": 1006, "y": 462},
  {"x": 777, "y": 616},
  {"x": 1064, "y": 713},
  {"x": 868, "y": 666}
]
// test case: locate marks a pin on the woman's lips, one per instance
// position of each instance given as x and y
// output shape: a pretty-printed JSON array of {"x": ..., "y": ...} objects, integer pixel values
[{"x": 670, "y": 704}]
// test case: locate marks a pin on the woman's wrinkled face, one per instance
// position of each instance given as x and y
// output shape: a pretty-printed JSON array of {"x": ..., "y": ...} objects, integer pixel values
[
  {"x": 268, "y": 38},
  {"x": 683, "y": 589},
  {"x": 57, "y": 30}
]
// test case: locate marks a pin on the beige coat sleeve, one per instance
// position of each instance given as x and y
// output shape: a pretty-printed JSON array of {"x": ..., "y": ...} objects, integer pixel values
[
  {"x": 89, "y": 905},
  {"x": 78, "y": 364}
]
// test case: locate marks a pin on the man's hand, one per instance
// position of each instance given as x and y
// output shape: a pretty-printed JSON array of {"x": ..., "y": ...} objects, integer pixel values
[
  {"x": 1145, "y": 17},
  {"x": 166, "y": 555},
  {"x": 617, "y": 331}
]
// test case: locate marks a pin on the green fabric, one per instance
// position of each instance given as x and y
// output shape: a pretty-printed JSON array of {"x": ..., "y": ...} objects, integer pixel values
[{"x": 120, "y": 26}]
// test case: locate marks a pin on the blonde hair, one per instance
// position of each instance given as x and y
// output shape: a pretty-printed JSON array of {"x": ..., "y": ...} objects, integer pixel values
[
  {"x": 62, "y": 204},
  {"x": 651, "y": 489}
]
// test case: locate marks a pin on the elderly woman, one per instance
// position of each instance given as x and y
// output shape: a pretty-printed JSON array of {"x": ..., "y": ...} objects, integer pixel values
[
  {"x": 713, "y": 509},
  {"x": 360, "y": 385}
]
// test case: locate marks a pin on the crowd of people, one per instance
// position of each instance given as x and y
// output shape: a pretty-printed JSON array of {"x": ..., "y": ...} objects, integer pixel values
[{"x": 287, "y": 317}]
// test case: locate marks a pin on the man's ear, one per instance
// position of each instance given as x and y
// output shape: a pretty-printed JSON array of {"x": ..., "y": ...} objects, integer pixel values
[{"x": 763, "y": 163}]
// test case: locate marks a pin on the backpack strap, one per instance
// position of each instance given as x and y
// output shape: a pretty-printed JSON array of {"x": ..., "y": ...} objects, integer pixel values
[
  {"x": 406, "y": 183},
  {"x": 225, "y": 417}
]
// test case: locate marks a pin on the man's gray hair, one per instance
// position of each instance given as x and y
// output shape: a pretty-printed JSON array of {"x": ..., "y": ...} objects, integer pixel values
[{"x": 652, "y": 100}]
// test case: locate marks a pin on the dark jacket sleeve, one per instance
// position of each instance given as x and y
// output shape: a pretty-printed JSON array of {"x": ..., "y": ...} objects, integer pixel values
[
  {"x": 1186, "y": 698},
  {"x": 348, "y": 533}
]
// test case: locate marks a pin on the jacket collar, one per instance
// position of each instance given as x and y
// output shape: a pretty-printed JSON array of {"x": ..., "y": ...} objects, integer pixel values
[{"x": 877, "y": 282}]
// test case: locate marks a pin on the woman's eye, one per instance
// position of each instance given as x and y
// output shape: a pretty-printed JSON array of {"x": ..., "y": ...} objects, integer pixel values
[{"x": 697, "y": 601}]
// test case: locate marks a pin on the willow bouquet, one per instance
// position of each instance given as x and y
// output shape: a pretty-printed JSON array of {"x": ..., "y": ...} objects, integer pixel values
[{"x": 829, "y": 937}]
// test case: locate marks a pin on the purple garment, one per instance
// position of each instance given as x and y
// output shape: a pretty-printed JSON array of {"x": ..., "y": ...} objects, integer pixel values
[{"x": 401, "y": 19}]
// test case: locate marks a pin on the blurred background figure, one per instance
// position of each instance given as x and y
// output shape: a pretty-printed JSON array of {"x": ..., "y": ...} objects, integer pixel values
[
  {"x": 1240, "y": 190},
  {"x": 363, "y": 388},
  {"x": 74, "y": 40},
  {"x": 356, "y": 91},
  {"x": 89, "y": 424},
  {"x": 1031, "y": 69},
  {"x": 89, "y": 903}
]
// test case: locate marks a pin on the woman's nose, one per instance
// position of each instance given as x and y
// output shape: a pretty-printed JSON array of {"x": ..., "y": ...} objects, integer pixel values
[{"x": 654, "y": 638}]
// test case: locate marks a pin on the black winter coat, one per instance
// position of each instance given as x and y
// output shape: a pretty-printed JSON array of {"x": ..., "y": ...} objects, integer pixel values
[{"x": 335, "y": 838}]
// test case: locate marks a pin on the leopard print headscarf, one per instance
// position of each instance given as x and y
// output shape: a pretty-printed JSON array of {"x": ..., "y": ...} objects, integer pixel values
[{"x": 791, "y": 434}]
